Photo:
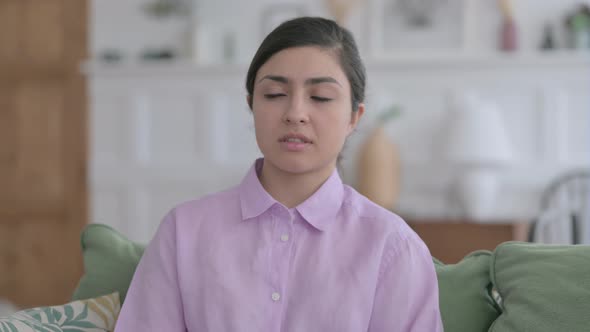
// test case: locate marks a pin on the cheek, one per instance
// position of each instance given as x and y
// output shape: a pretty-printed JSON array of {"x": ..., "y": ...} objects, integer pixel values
[
  {"x": 264, "y": 124},
  {"x": 259, "y": 126},
  {"x": 335, "y": 126},
  {"x": 339, "y": 119}
]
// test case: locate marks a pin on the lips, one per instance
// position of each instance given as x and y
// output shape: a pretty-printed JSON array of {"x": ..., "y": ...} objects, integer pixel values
[{"x": 295, "y": 138}]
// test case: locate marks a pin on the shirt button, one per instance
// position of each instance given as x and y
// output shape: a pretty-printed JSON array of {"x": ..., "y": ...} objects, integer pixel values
[
  {"x": 285, "y": 237},
  {"x": 276, "y": 296}
]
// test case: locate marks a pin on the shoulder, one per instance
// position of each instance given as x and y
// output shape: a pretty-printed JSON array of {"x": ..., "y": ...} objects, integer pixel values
[
  {"x": 398, "y": 236},
  {"x": 372, "y": 215},
  {"x": 217, "y": 204}
]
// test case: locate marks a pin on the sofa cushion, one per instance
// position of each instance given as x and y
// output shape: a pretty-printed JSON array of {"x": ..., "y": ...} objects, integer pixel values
[
  {"x": 465, "y": 301},
  {"x": 91, "y": 315},
  {"x": 542, "y": 287},
  {"x": 110, "y": 260}
]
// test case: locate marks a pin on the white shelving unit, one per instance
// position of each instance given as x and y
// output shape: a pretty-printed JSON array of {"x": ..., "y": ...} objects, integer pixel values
[{"x": 159, "y": 129}]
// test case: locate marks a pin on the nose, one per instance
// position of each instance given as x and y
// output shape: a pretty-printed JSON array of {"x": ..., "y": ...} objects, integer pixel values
[{"x": 296, "y": 112}]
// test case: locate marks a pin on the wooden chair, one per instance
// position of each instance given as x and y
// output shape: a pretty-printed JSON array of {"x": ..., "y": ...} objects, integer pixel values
[{"x": 565, "y": 211}]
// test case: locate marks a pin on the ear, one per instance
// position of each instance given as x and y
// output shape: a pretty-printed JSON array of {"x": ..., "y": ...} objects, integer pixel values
[
  {"x": 355, "y": 117},
  {"x": 249, "y": 101}
]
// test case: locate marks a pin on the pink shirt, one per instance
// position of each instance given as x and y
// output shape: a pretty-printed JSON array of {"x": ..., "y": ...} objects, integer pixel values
[{"x": 240, "y": 261}]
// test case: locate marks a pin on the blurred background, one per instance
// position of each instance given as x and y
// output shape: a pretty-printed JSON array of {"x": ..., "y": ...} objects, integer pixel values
[{"x": 477, "y": 128}]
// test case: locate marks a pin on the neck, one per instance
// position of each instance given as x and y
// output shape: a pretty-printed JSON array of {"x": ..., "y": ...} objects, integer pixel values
[{"x": 292, "y": 189}]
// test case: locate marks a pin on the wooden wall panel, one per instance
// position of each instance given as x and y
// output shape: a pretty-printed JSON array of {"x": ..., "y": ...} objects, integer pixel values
[
  {"x": 38, "y": 261},
  {"x": 42, "y": 149},
  {"x": 44, "y": 30},
  {"x": 10, "y": 33},
  {"x": 8, "y": 151},
  {"x": 39, "y": 109},
  {"x": 77, "y": 30},
  {"x": 74, "y": 145}
]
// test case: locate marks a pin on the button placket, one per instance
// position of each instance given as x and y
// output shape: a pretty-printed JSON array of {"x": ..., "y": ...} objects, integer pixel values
[{"x": 281, "y": 250}]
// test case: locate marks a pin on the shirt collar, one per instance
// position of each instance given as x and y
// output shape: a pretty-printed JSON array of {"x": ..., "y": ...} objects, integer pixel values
[
  {"x": 254, "y": 199},
  {"x": 320, "y": 209}
]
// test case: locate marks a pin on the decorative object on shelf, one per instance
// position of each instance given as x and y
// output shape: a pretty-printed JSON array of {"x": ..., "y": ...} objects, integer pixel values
[
  {"x": 168, "y": 8},
  {"x": 418, "y": 13},
  {"x": 157, "y": 54},
  {"x": 415, "y": 27},
  {"x": 276, "y": 14},
  {"x": 110, "y": 56},
  {"x": 578, "y": 26},
  {"x": 508, "y": 30},
  {"x": 379, "y": 165},
  {"x": 548, "y": 42},
  {"x": 229, "y": 47},
  {"x": 185, "y": 10},
  {"x": 213, "y": 45},
  {"x": 341, "y": 9},
  {"x": 478, "y": 146}
]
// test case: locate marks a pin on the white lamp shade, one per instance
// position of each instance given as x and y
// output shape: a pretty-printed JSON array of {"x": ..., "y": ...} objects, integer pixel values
[{"x": 477, "y": 136}]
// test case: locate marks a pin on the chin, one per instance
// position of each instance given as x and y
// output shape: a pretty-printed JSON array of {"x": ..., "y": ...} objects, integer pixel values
[{"x": 296, "y": 164}]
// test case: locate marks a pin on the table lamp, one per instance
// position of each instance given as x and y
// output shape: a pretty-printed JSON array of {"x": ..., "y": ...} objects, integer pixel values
[{"x": 478, "y": 147}]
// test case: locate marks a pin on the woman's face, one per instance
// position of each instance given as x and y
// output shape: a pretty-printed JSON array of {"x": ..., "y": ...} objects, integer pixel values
[{"x": 302, "y": 110}]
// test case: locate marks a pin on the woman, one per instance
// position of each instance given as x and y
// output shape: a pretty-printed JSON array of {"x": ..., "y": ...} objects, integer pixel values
[{"x": 291, "y": 248}]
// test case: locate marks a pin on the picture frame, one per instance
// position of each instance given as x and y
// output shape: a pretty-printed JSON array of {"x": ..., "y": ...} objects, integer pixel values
[
  {"x": 419, "y": 28},
  {"x": 273, "y": 15}
]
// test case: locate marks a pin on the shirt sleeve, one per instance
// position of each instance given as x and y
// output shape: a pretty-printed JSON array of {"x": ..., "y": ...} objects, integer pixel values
[
  {"x": 153, "y": 301},
  {"x": 407, "y": 292}
]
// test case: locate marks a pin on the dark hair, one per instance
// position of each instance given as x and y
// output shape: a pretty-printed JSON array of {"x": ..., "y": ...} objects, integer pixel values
[{"x": 313, "y": 31}]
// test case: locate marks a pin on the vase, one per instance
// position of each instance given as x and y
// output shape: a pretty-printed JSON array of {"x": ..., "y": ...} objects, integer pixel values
[
  {"x": 508, "y": 36},
  {"x": 341, "y": 9},
  {"x": 378, "y": 169}
]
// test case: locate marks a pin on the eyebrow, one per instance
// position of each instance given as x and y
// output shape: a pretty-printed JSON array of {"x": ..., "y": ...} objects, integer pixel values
[{"x": 309, "y": 81}]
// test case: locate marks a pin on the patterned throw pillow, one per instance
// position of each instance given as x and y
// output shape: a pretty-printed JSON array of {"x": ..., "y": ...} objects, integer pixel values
[{"x": 92, "y": 315}]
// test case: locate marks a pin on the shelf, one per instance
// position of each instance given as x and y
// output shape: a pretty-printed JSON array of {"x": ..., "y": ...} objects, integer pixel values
[
  {"x": 553, "y": 58},
  {"x": 163, "y": 67},
  {"x": 443, "y": 61}
]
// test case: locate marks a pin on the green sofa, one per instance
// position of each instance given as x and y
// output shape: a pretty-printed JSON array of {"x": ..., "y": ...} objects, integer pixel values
[{"x": 517, "y": 287}]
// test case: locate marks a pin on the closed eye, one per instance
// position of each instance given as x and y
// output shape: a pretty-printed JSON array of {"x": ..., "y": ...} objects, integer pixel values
[
  {"x": 320, "y": 99},
  {"x": 274, "y": 95}
]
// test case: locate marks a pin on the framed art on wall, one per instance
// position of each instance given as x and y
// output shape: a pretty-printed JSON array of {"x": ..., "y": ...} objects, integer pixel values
[{"x": 419, "y": 27}]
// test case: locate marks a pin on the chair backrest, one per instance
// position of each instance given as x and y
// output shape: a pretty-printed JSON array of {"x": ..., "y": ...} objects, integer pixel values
[{"x": 565, "y": 211}]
